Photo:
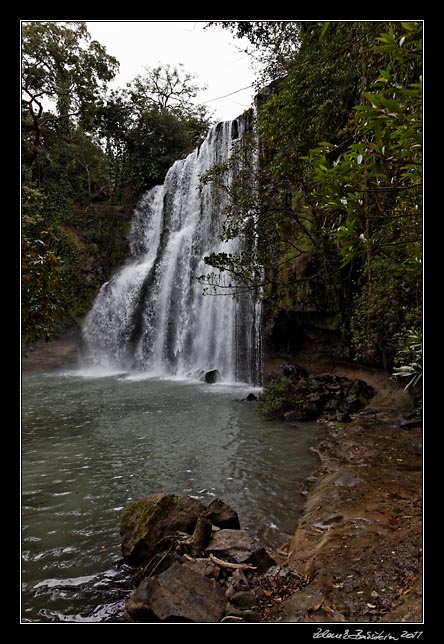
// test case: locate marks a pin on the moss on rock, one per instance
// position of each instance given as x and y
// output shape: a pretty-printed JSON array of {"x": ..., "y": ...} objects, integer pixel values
[{"x": 148, "y": 521}]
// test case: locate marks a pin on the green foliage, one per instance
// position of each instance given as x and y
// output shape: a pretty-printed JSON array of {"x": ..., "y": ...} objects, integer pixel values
[
  {"x": 313, "y": 99},
  {"x": 41, "y": 285},
  {"x": 279, "y": 396},
  {"x": 88, "y": 155},
  {"x": 371, "y": 195},
  {"x": 157, "y": 140},
  {"x": 62, "y": 65},
  {"x": 62, "y": 165},
  {"x": 409, "y": 359},
  {"x": 165, "y": 88},
  {"x": 338, "y": 215},
  {"x": 146, "y": 127},
  {"x": 273, "y": 44},
  {"x": 41, "y": 294},
  {"x": 377, "y": 323}
]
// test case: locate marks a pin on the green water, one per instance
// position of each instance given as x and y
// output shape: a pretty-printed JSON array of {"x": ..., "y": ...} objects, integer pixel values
[{"x": 93, "y": 443}]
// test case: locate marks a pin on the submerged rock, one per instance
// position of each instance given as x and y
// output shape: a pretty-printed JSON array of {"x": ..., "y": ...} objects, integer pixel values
[
  {"x": 306, "y": 411},
  {"x": 147, "y": 521}
]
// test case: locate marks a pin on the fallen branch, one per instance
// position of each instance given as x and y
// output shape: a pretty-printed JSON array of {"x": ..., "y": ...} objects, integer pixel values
[
  {"x": 285, "y": 554},
  {"x": 159, "y": 562},
  {"x": 231, "y": 566}
]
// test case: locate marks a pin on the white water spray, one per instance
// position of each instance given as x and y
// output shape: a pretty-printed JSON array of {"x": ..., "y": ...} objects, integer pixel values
[{"x": 152, "y": 315}]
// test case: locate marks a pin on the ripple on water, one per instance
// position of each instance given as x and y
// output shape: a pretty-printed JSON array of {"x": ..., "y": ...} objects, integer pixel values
[{"x": 78, "y": 479}]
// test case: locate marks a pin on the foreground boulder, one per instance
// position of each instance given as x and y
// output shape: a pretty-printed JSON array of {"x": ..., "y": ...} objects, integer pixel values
[
  {"x": 179, "y": 594},
  {"x": 192, "y": 563},
  {"x": 148, "y": 521}
]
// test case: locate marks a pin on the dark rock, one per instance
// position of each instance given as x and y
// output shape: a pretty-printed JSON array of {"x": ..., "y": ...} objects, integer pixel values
[
  {"x": 306, "y": 411},
  {"x": 294, "y": 415},
  {"x": 212, "y": 376},
  {"x": 409, "y": 421},
  {"x": 294, "y": 371},
  {"x": 237, "y": 582},
  {"x": 342, "y": 417},
  {"x": 147, "y": 521},
  {"x": 157, "y": 564},
  {"x": 302, "y": 604},
  {"x": 246, "y": 615},
  {"x": 238, "y": 546},
  {"x": 244, "y": 600},
  {"x": 250, "y": 397},
  {"x": 178, "y": 594},
  {"x": 201, "y": 535},
  {"x": 305, "y": 398},
  {"x": 203, "y": 567},
  {"x": 222, "y": 515}
]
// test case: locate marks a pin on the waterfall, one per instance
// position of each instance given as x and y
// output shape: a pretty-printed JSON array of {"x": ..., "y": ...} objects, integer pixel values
[{"x": 152, "y": 315}]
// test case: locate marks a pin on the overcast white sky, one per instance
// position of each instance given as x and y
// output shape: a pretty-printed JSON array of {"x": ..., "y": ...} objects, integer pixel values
[{"x": 213, "y": 55}]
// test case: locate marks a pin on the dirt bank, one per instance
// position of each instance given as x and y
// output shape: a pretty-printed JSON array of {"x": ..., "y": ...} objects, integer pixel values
[{"x": 358, "y": 545}]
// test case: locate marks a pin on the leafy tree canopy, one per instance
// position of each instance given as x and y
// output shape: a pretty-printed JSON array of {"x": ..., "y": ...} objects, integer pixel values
[
  {"x": 88, "y": 154},
  {"x": 61, "y": 65},
  {"x": 337, "y": 215}
]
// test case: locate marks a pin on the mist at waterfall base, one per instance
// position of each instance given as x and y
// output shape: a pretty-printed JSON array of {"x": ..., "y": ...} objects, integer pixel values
[
  {"x": 152, "y": 316},
  {"x": 134, "y": 418}
]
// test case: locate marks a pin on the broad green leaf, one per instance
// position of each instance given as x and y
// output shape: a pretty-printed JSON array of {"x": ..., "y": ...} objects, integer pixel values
[
  {"x": 324, "y": 30},
  {"x": 410, "y": 26},
  {"x": 374, "y": 99}
]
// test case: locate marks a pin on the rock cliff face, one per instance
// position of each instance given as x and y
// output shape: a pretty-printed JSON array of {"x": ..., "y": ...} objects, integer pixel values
[{"x": 292, "y": 334}]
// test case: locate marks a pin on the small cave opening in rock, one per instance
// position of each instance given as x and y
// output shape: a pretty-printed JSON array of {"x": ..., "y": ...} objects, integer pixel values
[{"x": 287, "y": 335}]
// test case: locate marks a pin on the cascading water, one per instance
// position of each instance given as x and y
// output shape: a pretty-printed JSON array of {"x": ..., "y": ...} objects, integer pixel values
[{"x": 152, "y": 315}]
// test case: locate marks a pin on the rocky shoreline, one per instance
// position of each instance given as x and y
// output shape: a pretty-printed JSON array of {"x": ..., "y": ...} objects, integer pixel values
[
  {"x": 356, "y": 555},
  {"x": 359, "y": 540}
]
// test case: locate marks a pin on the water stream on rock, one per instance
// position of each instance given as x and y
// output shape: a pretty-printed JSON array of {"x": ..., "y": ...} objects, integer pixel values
[{"x": 152, "y": 315}]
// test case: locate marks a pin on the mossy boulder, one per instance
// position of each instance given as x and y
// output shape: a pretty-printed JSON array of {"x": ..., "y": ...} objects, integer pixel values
[{"x": 148, "y": 521}]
